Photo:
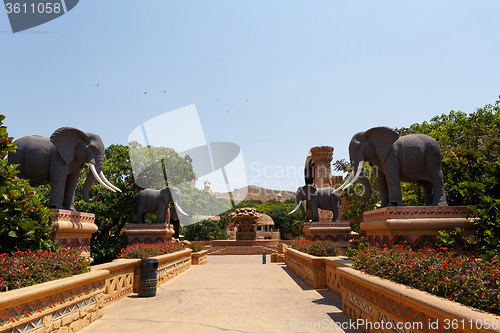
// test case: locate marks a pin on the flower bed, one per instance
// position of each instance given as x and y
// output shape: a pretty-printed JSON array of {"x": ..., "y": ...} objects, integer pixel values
[
  {"x": 24, "y": 269},
  {"x": 66, "y": 304},
  {"x": 141, "y": 250},
  {"x": 385, "y": 306},
  {"x": 373, "y": 300},
  {"x": 318, "y": 248},
  {"x": 71, "y": 303},
  {"x": 469, "y": 281}
]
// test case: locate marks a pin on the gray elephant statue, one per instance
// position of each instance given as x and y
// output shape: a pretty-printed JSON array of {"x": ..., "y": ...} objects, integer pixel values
[
  {"x": 322, "y": 198},
  {"x": 58, "y": 160},
  {"x": 412, "y": 158},
  {"x": 150, "y": 200}
]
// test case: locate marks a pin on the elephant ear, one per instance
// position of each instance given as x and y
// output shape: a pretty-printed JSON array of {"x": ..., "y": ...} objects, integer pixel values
[
  {"x": 382, "y": 138},
  {"x": 165, "y": 194},
  {"x": 66, "y": 139}
]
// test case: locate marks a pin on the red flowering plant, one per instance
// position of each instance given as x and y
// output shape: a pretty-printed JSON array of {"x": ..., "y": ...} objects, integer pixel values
[
  {"x": 317, "y": 248},
  {"x": 149, "y": 250},
  {"x": 466, "y": 280},
  {"x": 26, "y": 268}
]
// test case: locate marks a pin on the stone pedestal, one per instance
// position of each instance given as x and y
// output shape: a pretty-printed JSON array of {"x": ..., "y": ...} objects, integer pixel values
[
  {"x": 417, "y": 226},
  {"x": 149, "y": 233},
  {"x": 338, "y": 232},
  {"x": 73, "y": 230}
]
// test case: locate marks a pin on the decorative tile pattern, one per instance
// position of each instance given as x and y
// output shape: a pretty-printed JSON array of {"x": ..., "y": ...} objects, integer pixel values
[
  {"x": 423, "y": 241},
  {"x": 331, "y": 238},
  {"x": 16, "y": 313},
  {"x": 427, "y": 211},
  {"x": 359, "y": 303},
  {"x": 147, "y": 240},
  {"x": 397, "y": 310},
  {"x": 82, "y": 244},
  {"x": 60, "y": 215}
]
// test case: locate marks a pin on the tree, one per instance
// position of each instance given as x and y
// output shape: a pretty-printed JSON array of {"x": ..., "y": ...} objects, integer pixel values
[
  {"x": 26, "y": 222},
  {"x": 206, "y": 230},
  {"x": 115, "y": 210}
]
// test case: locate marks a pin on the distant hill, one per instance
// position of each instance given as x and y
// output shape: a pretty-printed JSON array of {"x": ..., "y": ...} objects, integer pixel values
[{"x": 260, "y": 193}]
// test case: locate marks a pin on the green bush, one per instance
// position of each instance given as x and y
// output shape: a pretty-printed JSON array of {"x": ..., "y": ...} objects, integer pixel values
[
  {"x": 469, "y": 281},
  {"x": 26, "y": 223},
  {"x": 207, "y": 230},
  {"x": 149, "y": 250},
  {"x": 24, "y": 269},
  {"x": 105, "y": 250},
  {"x": 317, "y": 248}
]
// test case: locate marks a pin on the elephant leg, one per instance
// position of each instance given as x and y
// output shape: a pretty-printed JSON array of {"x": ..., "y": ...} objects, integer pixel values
[
  {"x": 174, "y": 220},
  {"x": 382, "y": 188},
  {"x": 69, "y": 191},
  {"x": 314, "y": 209},
  {"x": 140, "y": 216},
  {"x": 393, "y": 186},
  {"x": 336, "y": 215},
  {"x": 427, "y": 193},
  {"x": 162, "y": 212},
  {"x": 439, "y": 196},
  {"x": 57, "y": 187}
]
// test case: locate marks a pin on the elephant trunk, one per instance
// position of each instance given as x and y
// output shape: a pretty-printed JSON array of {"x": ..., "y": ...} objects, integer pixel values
[
  {"x": 91, "y": 178},
  {"x": 367, "y": 187}
]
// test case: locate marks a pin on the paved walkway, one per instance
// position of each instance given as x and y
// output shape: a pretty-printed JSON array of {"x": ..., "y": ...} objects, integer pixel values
[{"x": 230, "y": 294}]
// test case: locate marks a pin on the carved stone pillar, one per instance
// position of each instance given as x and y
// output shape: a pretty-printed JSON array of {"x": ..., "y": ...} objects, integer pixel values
[
  {"x": 325, "y": 229},
  {"x": 322, "y": 157}
]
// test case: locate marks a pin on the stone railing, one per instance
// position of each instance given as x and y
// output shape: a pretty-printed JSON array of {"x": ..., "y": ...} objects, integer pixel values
[
  {"x": 72, "y": 303},
  {"x": 380, "y": 305},
  {"x": 120, "y": 281},
  {"x": 199, "y": 258},
  {"x": 172, "y": 264}
]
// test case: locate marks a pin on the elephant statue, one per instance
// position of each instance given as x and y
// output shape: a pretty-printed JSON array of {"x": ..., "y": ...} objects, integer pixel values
[
  {"x": 150, "y": 200},
  {"x": 322, "y": 198},
  {"x": 58, "y": 160},
  {"x": 412, "y": 158}
]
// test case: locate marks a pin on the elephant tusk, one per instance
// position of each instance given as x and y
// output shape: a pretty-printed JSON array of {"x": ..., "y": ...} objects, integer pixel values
[
  {"x": 179, "y": 208},
  {"x": 108, "y": 183},
  {"x": 345, "y": 183},
  {"x": 360, "y": 167},
  {"x": 293, "y": 211},
  {"x": 94, "y": 172}
]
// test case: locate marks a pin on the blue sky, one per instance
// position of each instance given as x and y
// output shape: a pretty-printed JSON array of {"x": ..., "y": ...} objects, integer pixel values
[{"x": 275, "y": 77}]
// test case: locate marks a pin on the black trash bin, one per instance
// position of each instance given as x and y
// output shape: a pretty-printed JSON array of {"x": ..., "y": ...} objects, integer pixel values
[{"x": 148, "y": 277}]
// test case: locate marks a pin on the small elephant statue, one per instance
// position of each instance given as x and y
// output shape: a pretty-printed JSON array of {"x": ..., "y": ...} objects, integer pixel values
[
  {"x": 412, "y": 158},
  {"x": 322, "y": 198},
  {"x": 58, "y": 160},
  {"x": 150, "y": 200}
]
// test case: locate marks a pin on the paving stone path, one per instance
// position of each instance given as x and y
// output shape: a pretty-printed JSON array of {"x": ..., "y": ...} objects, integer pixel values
[{"x": 230, "y": 294}]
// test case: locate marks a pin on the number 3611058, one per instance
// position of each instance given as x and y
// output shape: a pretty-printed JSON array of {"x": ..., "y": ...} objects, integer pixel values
[{"x": 40, "y": 8}]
